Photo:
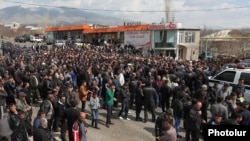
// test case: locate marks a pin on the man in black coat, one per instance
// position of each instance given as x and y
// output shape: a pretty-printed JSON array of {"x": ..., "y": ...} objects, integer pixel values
[
  {"x": 132, "y": 88},
  {"x": 40, "y": 134},
  {"x": 71, "y": 115},
  {"x": 21, "y": 127},
  {"x": 33, "y": 81},
  {"x": 159, "y": 124},
  {"x": 139, "y": 96},
  {"x": 59, "y": 111},
  {"x": 165, "y": 93},
  {"x": 194, "y": 122},
  {"x": 9, "y": 87},
  {"x": 150, "y": 96},
  {"x": 47, "y": 107}
]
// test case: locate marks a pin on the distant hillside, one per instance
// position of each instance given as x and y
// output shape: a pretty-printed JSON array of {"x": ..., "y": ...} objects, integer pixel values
[{"x": 55, "y": 16}]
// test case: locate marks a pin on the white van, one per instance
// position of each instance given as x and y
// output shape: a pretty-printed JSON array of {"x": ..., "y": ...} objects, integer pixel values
[
  {"x": 60, "y": 43},
  {"x": 35, "y": 39},
  {"x": 232, "y": 76}
]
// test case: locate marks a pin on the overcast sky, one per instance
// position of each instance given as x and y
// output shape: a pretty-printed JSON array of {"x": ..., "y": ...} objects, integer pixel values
[{"x": 191, "y": 13}]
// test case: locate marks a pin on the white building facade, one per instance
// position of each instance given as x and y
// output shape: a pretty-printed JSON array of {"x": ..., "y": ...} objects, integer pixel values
[{"x": 173, "y": 40}]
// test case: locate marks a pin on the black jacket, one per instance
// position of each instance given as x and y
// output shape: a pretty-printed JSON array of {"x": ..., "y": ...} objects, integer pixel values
[
  {"x": 3, "y": 96},
  {"x": 28, "y": 95},
  {"x": 159, "y": 126},
  {"x": 59, "y": 110},
  {"x": 10, "y": 88},
  {"x": 13, "y": 121},
  {"x": 19, "y": 128},
  {"x": 46, "y": 106},
  {"x": 71, "y": 115},
  {"x": 165, "y": 91},
  {"x": 22, "y": 131},
  {"x": 150, "y": 96},
  {"x": 139, "y": 96},
  {"x": 177, "y": 106},
  {"x": 194, "y": 120},
  {"x": 125, "y": 95},
  {"x": 33, "y": 83},
  {"x": 40, "y": 134}
]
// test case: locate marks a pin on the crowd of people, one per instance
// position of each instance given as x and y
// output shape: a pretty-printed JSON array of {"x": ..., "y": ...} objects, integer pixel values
[{"x": 54, "y": 78}]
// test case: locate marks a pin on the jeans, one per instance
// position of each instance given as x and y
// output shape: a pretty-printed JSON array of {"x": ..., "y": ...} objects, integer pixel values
[
  {"x": 177, "y": 122},
  {"x": 124, "y": 109},
  {"x": 94, "y": 113},
  {"x": 74, "y": 83},
  {"x": 109, "y": 109},
  {"x": 83, "y": 106}
]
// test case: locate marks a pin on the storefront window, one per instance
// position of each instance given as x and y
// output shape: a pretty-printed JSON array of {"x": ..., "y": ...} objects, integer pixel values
[
  {"x": 171, "y": 36},
  {"x": 164, "y": 39}
]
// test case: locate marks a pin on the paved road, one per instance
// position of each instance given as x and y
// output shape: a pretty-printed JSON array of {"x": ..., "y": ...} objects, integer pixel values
[{"x": 122, "y": 130}]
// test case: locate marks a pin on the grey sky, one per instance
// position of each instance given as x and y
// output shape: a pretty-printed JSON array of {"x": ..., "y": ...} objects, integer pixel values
[{"x": 230, "y": 18}]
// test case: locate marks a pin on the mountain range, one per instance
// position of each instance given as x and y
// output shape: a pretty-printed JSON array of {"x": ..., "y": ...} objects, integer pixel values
[{"x": 54, "y": 16}]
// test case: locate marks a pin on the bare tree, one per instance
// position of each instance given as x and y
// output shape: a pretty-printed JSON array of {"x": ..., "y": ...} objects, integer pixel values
[{"x": 206, "y": 31}]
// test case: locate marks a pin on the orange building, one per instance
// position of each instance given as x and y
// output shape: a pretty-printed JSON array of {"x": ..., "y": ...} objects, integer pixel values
[
  {"x": 88, "y": 31},
  {"x": 170, "y": 38}
]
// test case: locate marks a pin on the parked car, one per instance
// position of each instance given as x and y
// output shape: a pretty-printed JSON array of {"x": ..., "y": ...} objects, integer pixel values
[
  {"x": 27, "y": 37},
  {"x": 60, "y": 43},
  {"x": 49, "y": 41},
  {"x": 36, "y": 39},
  {"x": 20, "y": 39},
  {"x": 231, "y": 76}
]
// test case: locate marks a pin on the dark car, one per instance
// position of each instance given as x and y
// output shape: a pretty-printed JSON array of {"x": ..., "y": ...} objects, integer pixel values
[
  {"x": 49, "y": 41},
  {"x": 27, "y": 37},
  {"x": 20, "y": 39}
]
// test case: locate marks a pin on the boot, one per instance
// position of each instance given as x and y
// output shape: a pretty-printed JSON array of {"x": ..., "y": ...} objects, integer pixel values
[
  {"x": 96, "y": 124},
  {"x": 92, "y": 124}
]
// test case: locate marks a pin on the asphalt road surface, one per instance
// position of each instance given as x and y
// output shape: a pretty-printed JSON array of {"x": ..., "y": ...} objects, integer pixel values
[{"x": 121, "y": 130}]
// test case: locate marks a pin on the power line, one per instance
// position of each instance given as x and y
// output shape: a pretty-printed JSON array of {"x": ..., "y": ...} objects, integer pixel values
[{"x": 139, "y": 11}]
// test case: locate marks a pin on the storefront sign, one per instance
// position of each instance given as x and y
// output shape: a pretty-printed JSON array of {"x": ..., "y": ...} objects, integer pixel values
[
  {"x": 162, "y": 26},
  {"x": 137, "y": 38},
  {"x": 132, "y": 23}
]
